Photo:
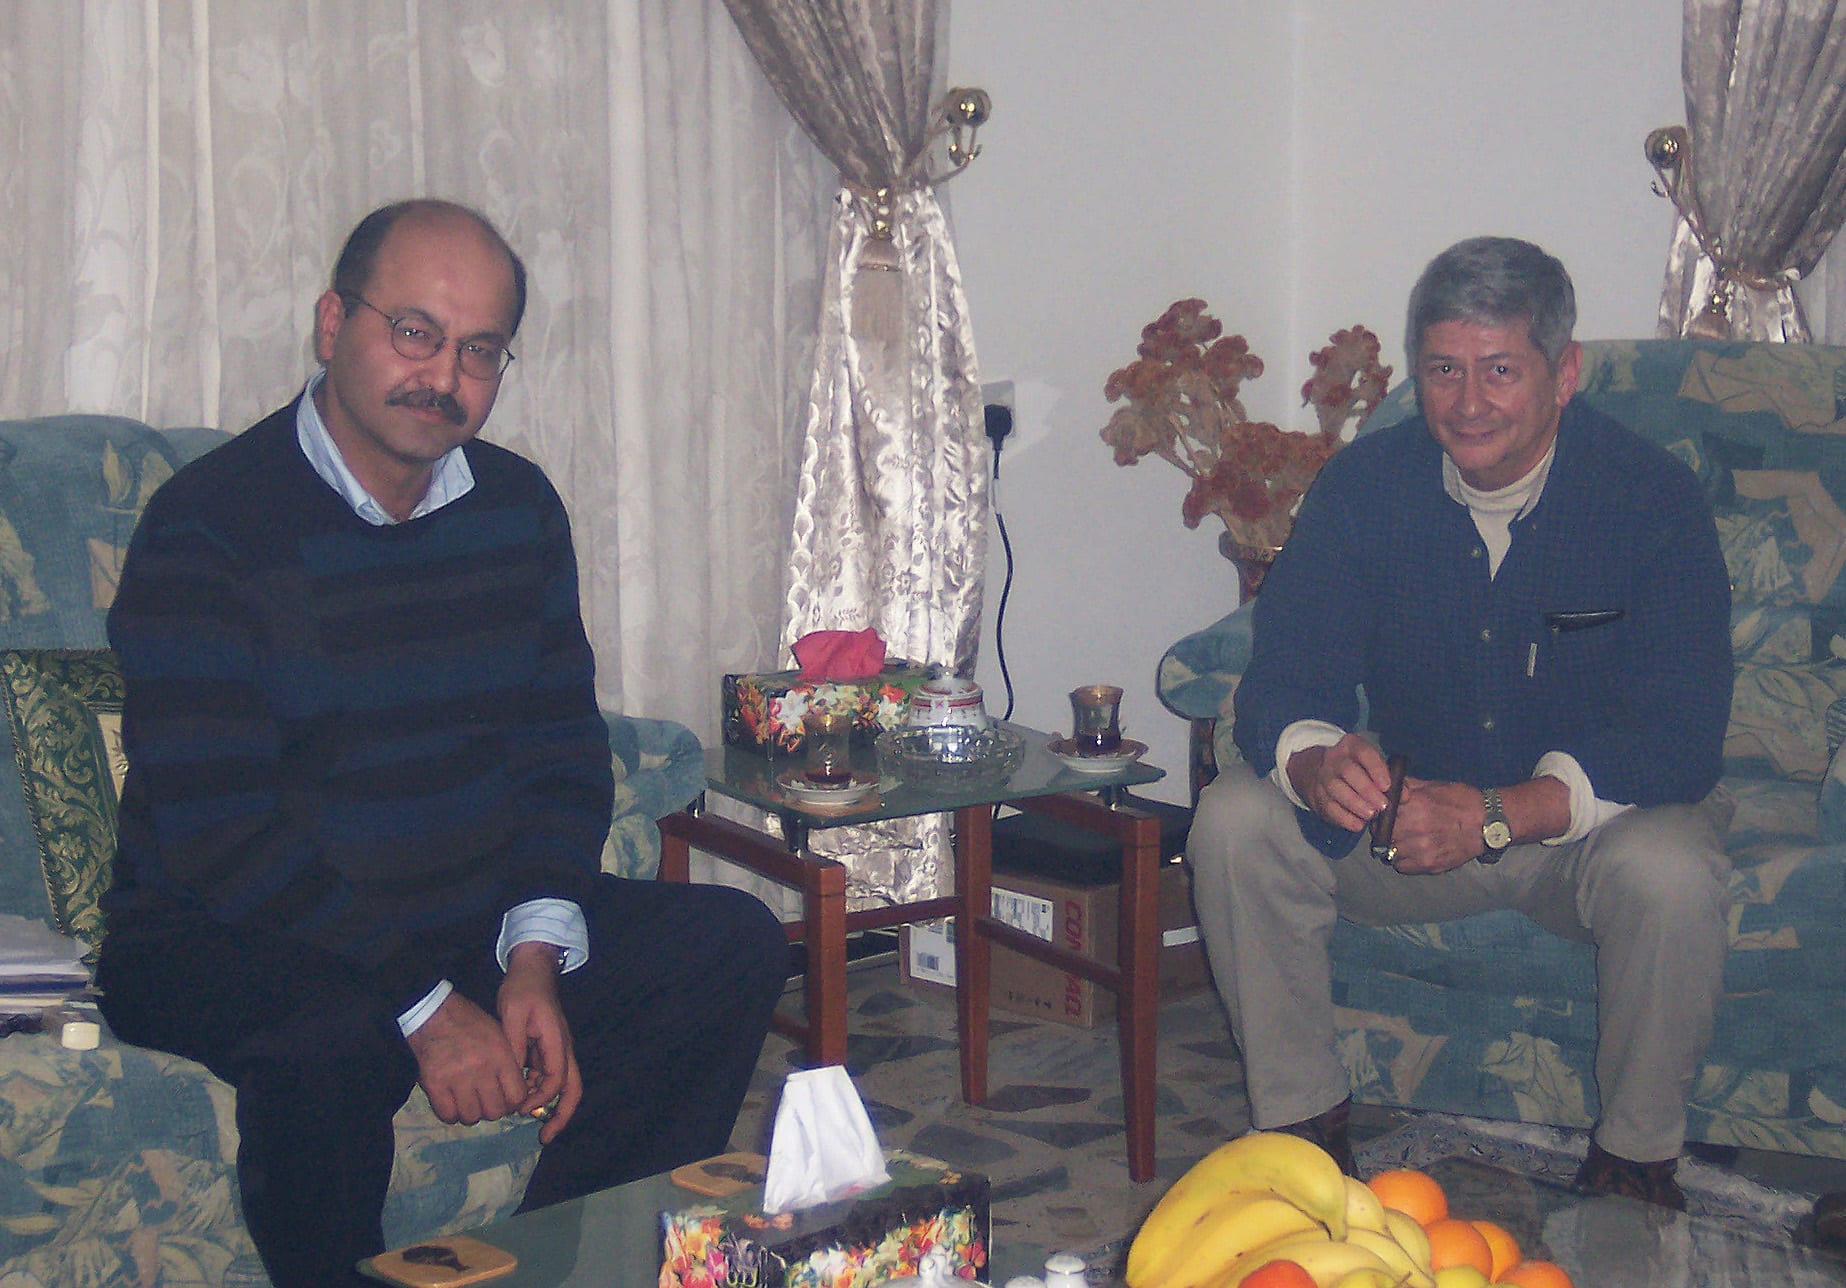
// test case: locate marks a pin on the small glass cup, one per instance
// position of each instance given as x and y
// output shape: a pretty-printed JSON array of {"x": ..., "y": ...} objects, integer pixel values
[
  {"x": 1095, "y": 719},
  {"x": 828, "y": 760}
]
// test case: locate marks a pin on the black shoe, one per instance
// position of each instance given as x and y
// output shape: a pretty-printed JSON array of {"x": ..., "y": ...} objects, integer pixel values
[
  {"x": 1830, "y": 1222},
  {"x": 1328, "y": 1130},
  {"x": 1606, "y": 1173}
]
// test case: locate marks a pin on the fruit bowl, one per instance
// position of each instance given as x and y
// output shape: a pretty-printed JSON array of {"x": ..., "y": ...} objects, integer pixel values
[{"x": 948, "y": 755}]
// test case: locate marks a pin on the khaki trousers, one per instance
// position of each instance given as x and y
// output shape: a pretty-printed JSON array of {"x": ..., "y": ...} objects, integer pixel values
[{"x": 1648, "y": 889}]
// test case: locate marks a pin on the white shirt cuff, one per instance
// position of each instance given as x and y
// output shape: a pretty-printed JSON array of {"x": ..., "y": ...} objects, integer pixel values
[
  {"x": 413, "y": 1019},
  {"x": 551, "y": 921},
  {"x": 1588, "y": 811},
  {"x": 1300, "y": 736}
]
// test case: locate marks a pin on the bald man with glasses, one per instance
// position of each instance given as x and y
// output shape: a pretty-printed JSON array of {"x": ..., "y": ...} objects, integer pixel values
[{"x": 369, "y": 786}]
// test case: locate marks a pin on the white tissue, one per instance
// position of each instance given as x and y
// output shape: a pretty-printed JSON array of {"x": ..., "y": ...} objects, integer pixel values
[{"x": 823, "y": 1147}]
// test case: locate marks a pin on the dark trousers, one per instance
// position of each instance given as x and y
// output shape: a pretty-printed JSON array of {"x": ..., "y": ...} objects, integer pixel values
[{"x": 667, "y": 1019}]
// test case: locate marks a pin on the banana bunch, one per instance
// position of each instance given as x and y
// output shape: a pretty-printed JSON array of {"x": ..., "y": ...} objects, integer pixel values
[{"x": 1266, "y": 1197}]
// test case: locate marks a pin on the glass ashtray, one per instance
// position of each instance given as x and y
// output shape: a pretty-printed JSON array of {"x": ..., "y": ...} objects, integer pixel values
[{"x": 947, "y": 754}]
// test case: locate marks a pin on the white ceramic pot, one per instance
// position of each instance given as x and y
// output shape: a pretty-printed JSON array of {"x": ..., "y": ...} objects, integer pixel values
[{"x": 948, "y": 700}]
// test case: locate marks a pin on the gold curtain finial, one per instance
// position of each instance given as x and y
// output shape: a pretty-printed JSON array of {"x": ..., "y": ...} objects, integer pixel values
[
  {"x": 960, "y": 116},
  {"x": 965, "y": 109},
  {"x": 1666, "y": 148}
]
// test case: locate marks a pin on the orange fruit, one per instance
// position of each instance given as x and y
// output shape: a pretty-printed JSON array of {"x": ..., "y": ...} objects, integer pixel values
[
  {"x": 1537, "y": 1274},
  {"x": 1503, "y": 1246},
  {"x": 1455, "y": 1242},
  {"x": 1415, "y": 1194},
  {"x": 1279, "y": 1274}
]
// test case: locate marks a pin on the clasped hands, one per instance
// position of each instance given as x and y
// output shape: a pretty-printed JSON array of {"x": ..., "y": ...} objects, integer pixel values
[
  {"x": 474, "y": 1067},
  {"x": 1438, "y": 824}
]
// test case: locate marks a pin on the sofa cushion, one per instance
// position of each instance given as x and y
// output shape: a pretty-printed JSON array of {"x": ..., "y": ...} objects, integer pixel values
[{"x": 64, "y": 710}]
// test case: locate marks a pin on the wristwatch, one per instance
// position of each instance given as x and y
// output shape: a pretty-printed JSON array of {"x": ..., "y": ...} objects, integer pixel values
[{"x": 1496, "y": 835}]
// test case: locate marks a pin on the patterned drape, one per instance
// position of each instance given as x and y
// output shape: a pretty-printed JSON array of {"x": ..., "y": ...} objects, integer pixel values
[
  {"x": 1765, "y": 84},
  {"x": 890, "y": 525},
  {"x": 194, "y": 164}
]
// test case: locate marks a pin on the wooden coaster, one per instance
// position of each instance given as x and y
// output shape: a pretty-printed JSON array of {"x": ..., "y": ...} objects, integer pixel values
[
  {"x": 722, "y": 1176},
  {"x": 448, "y": 1262}
]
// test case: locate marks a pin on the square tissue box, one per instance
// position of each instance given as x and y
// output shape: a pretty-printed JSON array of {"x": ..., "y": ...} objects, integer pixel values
[
  {"x": 874, "y": 1236},
  {"x": 762, "y": 712}
]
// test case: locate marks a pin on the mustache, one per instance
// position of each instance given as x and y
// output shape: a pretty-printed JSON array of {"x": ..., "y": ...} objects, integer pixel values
[{"x": 426, "y": 398}]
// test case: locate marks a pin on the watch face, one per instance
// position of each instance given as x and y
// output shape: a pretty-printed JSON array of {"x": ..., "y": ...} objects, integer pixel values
[{"x": 1497, "y": 835}]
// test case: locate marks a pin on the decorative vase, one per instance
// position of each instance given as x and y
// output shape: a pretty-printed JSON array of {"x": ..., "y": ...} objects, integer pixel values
[{"x": 1252, "y": 563}]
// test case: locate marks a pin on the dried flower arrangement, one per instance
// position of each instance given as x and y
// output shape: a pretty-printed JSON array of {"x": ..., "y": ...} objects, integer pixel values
[{"x": 1182, "y": 406}]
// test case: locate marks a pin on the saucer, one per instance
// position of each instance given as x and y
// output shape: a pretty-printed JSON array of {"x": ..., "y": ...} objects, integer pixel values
[
  {"x": 795, "y": 783},
  {"x": 1105, "y": 763}
]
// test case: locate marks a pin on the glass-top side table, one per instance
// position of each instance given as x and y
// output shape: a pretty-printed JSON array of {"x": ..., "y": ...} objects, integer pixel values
[{"x": 1041, "y": 783}]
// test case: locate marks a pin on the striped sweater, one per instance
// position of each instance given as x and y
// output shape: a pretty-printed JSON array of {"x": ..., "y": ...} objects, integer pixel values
[{"x": 373, "y": 739}]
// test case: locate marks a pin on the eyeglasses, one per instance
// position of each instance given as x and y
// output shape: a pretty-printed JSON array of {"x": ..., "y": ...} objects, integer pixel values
[{"x": 415, "y": 337}]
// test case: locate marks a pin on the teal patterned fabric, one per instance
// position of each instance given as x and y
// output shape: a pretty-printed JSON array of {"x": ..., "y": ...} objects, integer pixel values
[
  {"x": 117, "y": 1165},
  {"x": 1493, "y": 1017}
]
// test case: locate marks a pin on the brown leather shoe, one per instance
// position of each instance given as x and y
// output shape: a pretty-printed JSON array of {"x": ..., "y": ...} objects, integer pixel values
[
  {"x": 1606, "y": 1173},
  {"x": 1328, "y": 1130}
]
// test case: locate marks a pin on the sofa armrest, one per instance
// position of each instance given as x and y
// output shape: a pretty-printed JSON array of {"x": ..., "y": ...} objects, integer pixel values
[
  {"x": 1198, "y": 674},
  {"x": 659, "y": 768}
]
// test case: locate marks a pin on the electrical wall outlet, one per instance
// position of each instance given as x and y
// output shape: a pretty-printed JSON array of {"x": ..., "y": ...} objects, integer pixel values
[{"x": 997, "y": 403}]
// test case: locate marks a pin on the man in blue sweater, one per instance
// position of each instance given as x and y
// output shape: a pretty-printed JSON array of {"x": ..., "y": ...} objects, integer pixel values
[
  {"x": 1533, "y": 601},
  {"x": 369, "y": 786}
]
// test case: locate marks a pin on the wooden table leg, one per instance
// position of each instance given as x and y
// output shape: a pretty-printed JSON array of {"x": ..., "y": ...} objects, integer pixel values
[
  {"x": 675, "y": 850},
  {"x": 1135, "y": 976},
  {"x": 823, "y": 910},
  {"x": 822, "y": 883},
  {"x": 1138, "y": 1004},
  {"x": 973, "y": 951}
]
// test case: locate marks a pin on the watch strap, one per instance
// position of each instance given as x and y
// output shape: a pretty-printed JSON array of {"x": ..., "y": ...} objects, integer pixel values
[{"x": 1494, "y": 827}]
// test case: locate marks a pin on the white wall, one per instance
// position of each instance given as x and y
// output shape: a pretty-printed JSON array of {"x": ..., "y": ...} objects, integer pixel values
[{"x": 1295, "y": 164}]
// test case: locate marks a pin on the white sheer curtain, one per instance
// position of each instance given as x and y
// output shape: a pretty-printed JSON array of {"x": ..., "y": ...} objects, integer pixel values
[
  {"x": 1823, "y": 295},
  {"x": 181, "y": 174}
]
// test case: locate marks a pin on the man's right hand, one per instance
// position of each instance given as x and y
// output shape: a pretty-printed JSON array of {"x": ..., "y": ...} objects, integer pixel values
[
  {"x": 1345, "y": 784},
  {"x": 465, "y": 1064}
]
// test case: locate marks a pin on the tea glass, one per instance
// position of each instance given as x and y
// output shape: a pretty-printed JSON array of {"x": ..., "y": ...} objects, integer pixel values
[
  {"x": 1096, "y": 719},
  {"x": 828, "y": 760}
]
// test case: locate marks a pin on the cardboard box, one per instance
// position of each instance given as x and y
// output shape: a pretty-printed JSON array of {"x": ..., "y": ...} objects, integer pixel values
[
  {"x": 872, "y": 1237},
  {"x": 762, "y": 712},
  {"x": 1083, "y": 917}
]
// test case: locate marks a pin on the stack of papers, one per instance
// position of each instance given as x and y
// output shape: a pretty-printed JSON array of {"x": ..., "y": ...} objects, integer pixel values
[{"x": 38, "y": 966}]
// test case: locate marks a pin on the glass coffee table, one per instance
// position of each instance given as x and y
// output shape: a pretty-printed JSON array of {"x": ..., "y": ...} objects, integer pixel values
[
  {"x": 611, "y": 1239},
  {"x": 1041, "y": 783},
  {"x": 1737, "y": 1233}
]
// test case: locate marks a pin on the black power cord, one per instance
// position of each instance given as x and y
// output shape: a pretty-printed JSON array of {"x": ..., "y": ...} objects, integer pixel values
[{"x": 999, "y": 424}]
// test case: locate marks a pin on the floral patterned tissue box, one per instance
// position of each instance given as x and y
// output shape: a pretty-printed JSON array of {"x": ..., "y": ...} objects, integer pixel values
[
  {"x": 873, "y": 1237},
  {"x": 763, "y": 712}
]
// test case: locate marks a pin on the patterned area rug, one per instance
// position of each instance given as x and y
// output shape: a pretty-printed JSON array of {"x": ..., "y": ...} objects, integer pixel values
[{"x": 1050, "y": 1139}]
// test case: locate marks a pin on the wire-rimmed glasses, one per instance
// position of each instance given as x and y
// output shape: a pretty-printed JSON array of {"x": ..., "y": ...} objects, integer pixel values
[{"x": 416, "y": 337}]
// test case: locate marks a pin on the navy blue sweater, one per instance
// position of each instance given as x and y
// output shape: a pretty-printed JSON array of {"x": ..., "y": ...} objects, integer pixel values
[
  {"x": 1384, "y": 584},
  {"x": 373, "y": 739}
]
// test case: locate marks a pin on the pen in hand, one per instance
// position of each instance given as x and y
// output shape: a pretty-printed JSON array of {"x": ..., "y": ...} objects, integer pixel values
[{"x": 1386, "y": 822}]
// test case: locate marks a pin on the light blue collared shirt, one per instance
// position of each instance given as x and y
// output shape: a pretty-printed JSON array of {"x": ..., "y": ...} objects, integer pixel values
[{"x": 553, "y": 921}]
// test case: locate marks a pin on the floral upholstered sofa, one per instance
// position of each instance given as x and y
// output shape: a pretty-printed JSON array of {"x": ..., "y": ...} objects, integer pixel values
[
  {"x": 1493, "y": 1017},
  {"x": 116, "y": 1165}
]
